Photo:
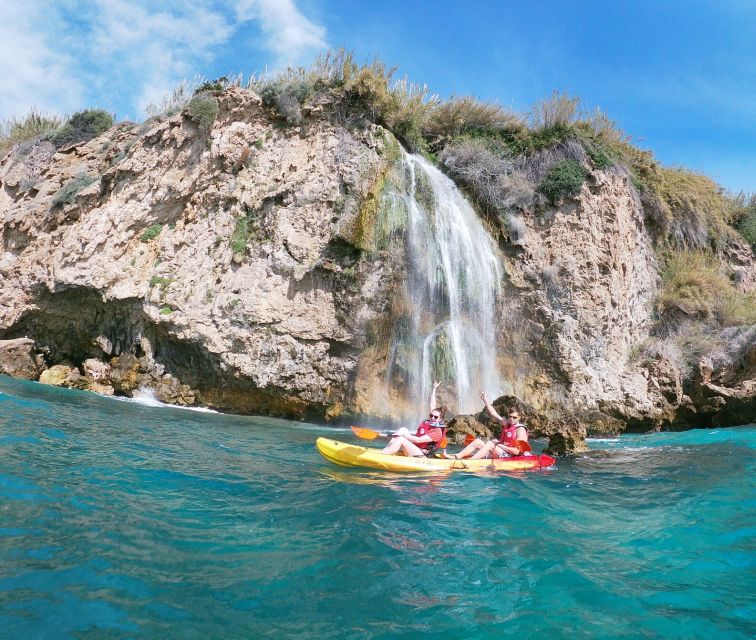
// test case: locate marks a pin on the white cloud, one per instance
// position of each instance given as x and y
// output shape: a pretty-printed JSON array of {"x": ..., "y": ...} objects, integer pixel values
[
  {"x": 35, "y": 73},
  {"x": 154, "y": 47},
  {"x": 290, "y": 36},
  {"x": 128, "y": 53}
]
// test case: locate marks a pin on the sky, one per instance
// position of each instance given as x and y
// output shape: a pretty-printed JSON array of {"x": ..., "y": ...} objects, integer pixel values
[{"x": 678, "y": 76}]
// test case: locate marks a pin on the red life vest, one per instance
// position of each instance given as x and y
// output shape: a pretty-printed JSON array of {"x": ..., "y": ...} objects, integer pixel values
[
  {"x": 427, "y": 429},
  {"x": 508, "y": 435}
]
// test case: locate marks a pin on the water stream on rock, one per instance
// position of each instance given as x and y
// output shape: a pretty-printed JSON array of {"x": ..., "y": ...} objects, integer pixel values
[{"x": 452, "y": 287}]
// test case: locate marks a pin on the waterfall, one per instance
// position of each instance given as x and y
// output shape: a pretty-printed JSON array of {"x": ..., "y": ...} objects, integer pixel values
[{"x": 452, "y": 286}]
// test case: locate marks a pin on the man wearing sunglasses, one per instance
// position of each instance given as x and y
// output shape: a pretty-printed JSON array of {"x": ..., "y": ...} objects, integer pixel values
[
  {"x": 427, "y": 437},
  {"x": 513, "y": 440}
]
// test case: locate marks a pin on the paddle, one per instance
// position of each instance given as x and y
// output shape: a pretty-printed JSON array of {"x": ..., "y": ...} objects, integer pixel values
[
  {"x": 523, "y": 445},
  {"x": 372, "y": 434},
  {"x": 367, "y": 434}
]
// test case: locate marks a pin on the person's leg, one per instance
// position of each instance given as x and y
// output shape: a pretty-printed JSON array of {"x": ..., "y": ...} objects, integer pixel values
[
  {"x": 469, "y": 449},
  {"x": 393, "y": 446},
  {"x": 484, "y": 451},
  {"x": 400, "y": 442},
  {"x": 411, "y": 449}
]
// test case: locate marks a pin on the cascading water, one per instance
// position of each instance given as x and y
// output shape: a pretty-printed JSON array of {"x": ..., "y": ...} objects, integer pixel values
[{"x": 448, "y": 329}]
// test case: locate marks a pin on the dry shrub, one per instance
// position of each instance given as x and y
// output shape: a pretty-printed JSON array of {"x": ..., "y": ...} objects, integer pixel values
[
  {"x": 174, "y": 101},
  {"x": 558, "y": 110},
  {"x": 698, "y": 209},
  {"x": 33, "y": 125},
  {"x": 461, "y": 115},
  {"x": 694, "y": 287},
  {"x": 489, "y": 174},
  {"x": 536, "y": 164},
  {"x": 743, "y": 215}
]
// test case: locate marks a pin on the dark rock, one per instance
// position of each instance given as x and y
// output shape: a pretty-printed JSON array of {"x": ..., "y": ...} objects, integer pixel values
[
  {"x": 17, "y": 359},
  {"x": 124, "y": 373},
  {"x": 64, "y": 375},
  {"x": 566, "y": 435},
  {"x": 461, "y": 425},
  {"x": 171, "y": 391}
]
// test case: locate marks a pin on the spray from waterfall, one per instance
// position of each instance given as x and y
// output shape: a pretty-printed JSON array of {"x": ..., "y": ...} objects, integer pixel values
[{"x": 452, "y": 286}]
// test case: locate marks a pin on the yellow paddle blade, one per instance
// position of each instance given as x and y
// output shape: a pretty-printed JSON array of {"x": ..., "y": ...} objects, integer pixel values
[
  {"x": 443, "y": 443},
  {"x": 365, "y": 433},
  {"x": 469, "y": 438}
]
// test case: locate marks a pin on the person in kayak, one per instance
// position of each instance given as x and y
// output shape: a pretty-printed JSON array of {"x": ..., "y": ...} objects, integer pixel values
[
  {"x": 513, "y": 432},
  {"x": 428, "y": 435}
]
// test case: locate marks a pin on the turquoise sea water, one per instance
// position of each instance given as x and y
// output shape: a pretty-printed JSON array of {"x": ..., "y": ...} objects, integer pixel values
[{"x": 119, "y": 520}]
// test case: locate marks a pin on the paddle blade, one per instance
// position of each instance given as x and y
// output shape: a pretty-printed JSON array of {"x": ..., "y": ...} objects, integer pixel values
[
  {"x": 443, "y": 443},
  {"x": 523, "y": 445},
  {"x": 365, "y": 433},
  {"x": 469, "y": 438}
]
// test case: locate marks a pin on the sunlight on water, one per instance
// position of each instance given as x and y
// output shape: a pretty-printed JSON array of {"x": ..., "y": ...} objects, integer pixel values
[{"x": 126, "y": 521}]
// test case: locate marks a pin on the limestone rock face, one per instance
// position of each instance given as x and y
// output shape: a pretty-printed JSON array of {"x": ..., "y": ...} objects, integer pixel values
[
  {"x": 230, "y": 253},
  {"x": 584, "y": 278},
  {"x": 238, "y": 267}
]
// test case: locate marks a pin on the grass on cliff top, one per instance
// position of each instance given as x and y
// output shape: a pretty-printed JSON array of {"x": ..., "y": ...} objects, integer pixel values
[
  {"x": 82, "y": 126},
  {"x": 32, "y": 126},
  {"x": 694, "y": 287},
  {"x": 683, "y": 210}
]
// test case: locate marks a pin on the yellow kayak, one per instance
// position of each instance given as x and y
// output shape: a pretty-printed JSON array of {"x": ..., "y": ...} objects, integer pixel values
[{"x": 352, "y": 455}]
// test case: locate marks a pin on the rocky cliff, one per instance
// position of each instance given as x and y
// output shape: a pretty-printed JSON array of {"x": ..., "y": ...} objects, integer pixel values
[{"x": 237, "y": 264}]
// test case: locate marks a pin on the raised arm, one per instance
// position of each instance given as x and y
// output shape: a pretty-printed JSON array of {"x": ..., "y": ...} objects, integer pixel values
[
  {"x": 489, "y": 407},
  {"x": 433, "y": 404}
]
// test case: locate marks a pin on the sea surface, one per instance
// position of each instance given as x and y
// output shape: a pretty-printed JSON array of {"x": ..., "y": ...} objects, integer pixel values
[{"x": 122, "y": 520}]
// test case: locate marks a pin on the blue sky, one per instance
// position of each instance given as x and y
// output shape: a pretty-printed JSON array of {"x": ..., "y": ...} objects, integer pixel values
[{"x": 678, "y": 76}]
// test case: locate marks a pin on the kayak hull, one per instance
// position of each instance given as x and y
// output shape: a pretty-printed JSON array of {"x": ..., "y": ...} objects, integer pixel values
[{"x": 352, "y": 455}]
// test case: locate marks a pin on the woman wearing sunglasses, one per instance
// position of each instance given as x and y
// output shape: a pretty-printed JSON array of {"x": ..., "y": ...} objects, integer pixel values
[
  {"x": 512, "y": 441},
  {"x": 427, "y": 437}
]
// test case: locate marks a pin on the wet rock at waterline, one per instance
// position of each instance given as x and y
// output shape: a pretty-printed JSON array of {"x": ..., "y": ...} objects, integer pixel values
[{"x": 17, "y": 359}]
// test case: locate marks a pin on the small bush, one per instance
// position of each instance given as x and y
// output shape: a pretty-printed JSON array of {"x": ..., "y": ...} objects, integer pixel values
[
  {"x": 564, "y": 179},
  {"x": 203, "y": 108},
  {"x": 287, "y": 93},
  {"x": 82, "y": 127},
  {"x": 240, "y": 236},
  {"x": 165, "y": 311},
  {"x": 697, "y": 209},
  {"x": 176, "y": 100},
  {"x": 68, "y": 192},
  {"x": 558, "y": 110},
  {"x": 32, "y": 126},
  {"x": 151, "y": 232},
  {"x": 489, "y": 173},
  {"x": 743, "y": 216},
  {"x": 160, "y": 281},
  {"x": 693, "y": 286}
]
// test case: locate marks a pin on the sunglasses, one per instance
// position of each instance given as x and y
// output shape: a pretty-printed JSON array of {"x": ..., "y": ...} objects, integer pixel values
[
  {"x": 435, "y": 417},
  {"x": 514, "y": 416}
]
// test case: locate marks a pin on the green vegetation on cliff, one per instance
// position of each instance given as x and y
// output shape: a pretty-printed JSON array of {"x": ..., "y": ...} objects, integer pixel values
[{"x": 32, "y": 126}]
